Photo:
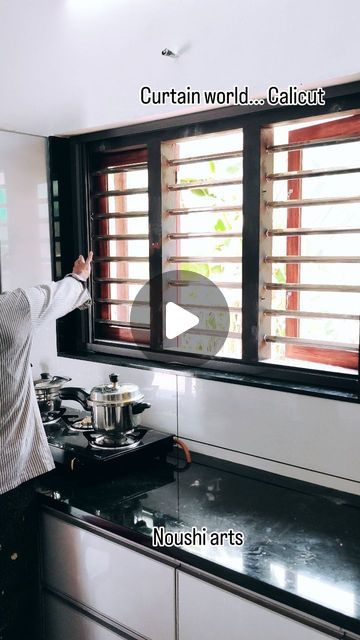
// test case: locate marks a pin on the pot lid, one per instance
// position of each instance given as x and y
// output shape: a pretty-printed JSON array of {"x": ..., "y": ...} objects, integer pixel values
[
  {"x": 47, "y": 381},
  {"x": 115, "y": 392}
]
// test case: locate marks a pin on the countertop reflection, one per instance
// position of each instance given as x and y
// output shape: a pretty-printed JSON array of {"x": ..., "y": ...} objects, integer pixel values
[{"x": 301, "y": 543}]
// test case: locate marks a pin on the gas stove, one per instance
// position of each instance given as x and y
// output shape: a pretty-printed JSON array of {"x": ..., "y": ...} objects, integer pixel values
[{"x": 75, "y": 444}]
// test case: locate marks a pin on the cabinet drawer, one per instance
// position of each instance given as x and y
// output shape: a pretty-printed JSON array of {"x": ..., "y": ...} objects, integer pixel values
[
  {"x": 209, "y": 613},
  {"x": 123, "y": 585},
  {"x": 62, "y": 621}
]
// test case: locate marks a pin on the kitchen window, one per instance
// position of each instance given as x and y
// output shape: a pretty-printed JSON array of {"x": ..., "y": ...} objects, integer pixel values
[{"x": 265, "y": 205}]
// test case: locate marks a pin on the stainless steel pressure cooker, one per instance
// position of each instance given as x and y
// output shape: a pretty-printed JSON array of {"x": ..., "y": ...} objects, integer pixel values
[{"x": 113, "y": 405}]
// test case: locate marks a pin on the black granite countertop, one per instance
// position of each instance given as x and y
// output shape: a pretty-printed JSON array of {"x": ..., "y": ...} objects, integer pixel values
[{"x": 302, "y": 544}]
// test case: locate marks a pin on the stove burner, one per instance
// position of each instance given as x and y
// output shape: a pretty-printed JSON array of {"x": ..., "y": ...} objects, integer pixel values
[
  {"x": 82, "y": 425},
  {"x": 123, "y": 441},
  {"x": 52, "y": 417}
]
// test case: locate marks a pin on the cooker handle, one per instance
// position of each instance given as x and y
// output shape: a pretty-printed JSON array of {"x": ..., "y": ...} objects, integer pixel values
[
  {"x": 139, "y": 407},
  {"x": 77, "y": 394}
]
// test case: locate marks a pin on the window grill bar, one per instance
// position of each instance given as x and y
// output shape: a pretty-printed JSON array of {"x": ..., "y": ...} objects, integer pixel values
[
  {"x": 176, "y": 162},
  {"x": 202, "y": 184},
  {"x": 218, "y": 209},
  {"x": 213, "y": 332},
  {"x": 121, "y": 259},
  {"x": 130, "y": 281},
  {"x": 312, "y": 173},
  {"x": 127, "y": 214},
  {"x": 328, "y": 288},
  {"x": 204, "y": 234},
  {"x": 121, "y": 169},
  {"x": 311, "y": 202},
  {"x": 119, "y": 192},
  {"x": 116, "y": 301},
  {"x": 311, "y": 232},
  {"x": 313, "y": 259},
  {"x": 130, "y": 236},
  {"x": 307, "y": 144},
  {"x": 201, "y": 283},
  {"x": 211, "y": 308},
  {"x": 205, "y": 259},
  {"x": 310, "y": 314},
  {"x": 121, "y": 323},
  {"x": 321, "y": 344}
]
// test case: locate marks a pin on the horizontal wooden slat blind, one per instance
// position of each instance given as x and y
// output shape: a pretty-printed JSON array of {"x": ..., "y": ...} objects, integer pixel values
[
  {"x": 119, "y": 201},
  {"x": 311, "y": 244}
]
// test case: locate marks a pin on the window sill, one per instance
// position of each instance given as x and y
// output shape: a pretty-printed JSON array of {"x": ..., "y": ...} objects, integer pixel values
[
  {"x": 306, "y": 364},
  {"x": 261, "y": 381}
]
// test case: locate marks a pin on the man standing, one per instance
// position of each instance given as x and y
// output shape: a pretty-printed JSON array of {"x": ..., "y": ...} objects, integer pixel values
[{"x": 24, "y": 451}]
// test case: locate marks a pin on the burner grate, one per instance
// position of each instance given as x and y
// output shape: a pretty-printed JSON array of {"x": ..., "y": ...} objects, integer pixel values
[
  {"x": 121, "y": 442},
  {"x": 82, "y": 425},
  {"x": 52, "y": 417}
]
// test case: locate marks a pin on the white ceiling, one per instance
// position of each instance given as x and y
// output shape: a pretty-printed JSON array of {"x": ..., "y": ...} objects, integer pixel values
[{"x": 71, "y": 65}]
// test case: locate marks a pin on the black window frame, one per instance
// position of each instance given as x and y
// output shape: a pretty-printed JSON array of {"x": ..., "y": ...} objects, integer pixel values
[{"x": 68, "y": 165}]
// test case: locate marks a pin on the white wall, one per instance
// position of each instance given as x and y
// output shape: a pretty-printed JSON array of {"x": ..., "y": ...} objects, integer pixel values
[
  {"x": 24, "y": 216},
  {"x": 68, "y": 65},
  {"x": 309, "y": 438}
]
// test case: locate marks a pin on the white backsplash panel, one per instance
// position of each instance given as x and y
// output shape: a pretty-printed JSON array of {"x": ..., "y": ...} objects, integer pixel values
[{"x": 311, "y": 433}]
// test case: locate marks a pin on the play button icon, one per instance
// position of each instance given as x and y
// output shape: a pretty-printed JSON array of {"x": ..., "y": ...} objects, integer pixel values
[
  {"x": 178, "y": 320},
  {"x": 188, "y": 315}
]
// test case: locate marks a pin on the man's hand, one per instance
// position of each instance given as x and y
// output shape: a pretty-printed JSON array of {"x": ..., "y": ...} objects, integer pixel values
[{"x": 82, "y": 267}]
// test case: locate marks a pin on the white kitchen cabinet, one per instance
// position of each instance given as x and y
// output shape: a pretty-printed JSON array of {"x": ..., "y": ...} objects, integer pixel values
[
  {"x": 127, "y": 587},
  {"x": 207, "y": 612},
  {"x": 63, "y": 621}
]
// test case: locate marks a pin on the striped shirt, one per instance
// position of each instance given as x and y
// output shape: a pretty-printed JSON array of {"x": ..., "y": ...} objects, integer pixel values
[{"x": 24, "y": 451}]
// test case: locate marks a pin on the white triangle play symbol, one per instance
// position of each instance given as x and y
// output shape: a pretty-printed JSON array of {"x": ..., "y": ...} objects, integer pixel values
[{"x": 178, "y": 320}]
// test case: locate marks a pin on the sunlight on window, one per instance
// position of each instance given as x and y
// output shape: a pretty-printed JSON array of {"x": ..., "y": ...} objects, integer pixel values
[{"x": 205, "y": 231}]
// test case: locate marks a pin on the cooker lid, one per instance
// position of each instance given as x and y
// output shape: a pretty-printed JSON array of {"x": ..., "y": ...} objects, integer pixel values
[
  {"x": 47, "y": 381},
  {"x": 116, "y": 393}
]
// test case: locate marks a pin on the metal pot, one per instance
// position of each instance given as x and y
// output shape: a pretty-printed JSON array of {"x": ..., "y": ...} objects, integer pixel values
[
  {"x": 114, "y": 405},
  {"x": 47, "y": 391}
]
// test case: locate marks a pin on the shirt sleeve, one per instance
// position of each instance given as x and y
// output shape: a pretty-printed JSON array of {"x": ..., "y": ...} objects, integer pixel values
[{"x": 51, "y": 301}]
